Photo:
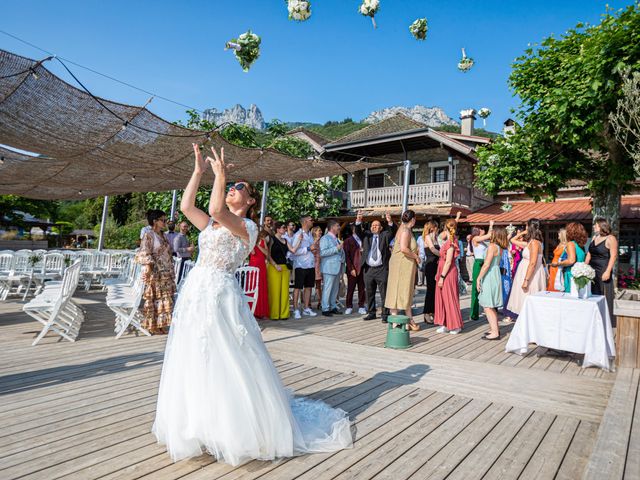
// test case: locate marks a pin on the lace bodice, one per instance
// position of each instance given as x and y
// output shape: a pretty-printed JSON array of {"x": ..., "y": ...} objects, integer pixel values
[{"x": 222, "y": 250}]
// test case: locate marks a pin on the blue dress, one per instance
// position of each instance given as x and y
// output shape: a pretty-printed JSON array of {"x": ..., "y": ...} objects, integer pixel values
[{"x": 505, "y": 273}]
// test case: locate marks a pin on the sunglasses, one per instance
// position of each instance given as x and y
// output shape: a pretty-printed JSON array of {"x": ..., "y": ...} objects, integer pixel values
[{"x": 239, "y": 186}]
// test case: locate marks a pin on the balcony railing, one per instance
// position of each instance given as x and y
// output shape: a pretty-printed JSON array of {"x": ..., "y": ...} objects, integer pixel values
[{"x": 421, "y": 194}]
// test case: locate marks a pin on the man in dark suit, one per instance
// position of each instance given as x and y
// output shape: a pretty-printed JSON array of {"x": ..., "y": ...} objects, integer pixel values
[{"x": 375, "y": 261}]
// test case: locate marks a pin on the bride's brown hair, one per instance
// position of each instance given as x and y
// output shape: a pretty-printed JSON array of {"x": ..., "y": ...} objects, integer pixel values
[{"x": 252, "y": 211}]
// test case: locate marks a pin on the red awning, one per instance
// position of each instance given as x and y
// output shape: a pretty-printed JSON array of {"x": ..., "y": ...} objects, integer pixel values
[{"x": 562, "y": 210}]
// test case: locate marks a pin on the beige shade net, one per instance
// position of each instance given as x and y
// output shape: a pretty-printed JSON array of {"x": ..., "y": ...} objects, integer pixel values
[{"x": 90, "y": 147}]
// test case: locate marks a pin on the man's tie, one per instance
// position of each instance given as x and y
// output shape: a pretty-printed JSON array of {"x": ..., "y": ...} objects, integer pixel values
[{"x": 374, "y": 249}]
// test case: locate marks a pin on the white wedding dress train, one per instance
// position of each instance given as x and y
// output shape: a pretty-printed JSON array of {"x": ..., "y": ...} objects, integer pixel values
[{"x": 219, "y": 390}]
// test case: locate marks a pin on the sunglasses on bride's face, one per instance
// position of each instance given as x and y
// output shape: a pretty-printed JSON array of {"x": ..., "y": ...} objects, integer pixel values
[{"x": 238, "y": 187}]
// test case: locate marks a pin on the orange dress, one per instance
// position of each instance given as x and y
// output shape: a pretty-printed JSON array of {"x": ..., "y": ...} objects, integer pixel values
[{"x": 557, "y": 253}]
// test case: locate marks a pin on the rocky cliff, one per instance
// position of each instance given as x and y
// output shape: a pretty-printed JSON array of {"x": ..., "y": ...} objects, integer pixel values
[
  {"x": 430, "y": 116},
  {"x": 237, "y": 114}
]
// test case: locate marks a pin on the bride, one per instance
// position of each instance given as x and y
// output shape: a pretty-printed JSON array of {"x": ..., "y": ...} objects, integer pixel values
[{"x": 219, "y": 390}]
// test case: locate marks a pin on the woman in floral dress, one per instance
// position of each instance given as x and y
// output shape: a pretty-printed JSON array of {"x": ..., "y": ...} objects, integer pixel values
[{"x": 157, "y": 274}]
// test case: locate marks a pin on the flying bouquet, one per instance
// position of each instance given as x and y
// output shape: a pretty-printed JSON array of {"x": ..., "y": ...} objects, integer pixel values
[
  {"x": 299, "y": 10},
  {"x": 419, "y": 29},
  {"x": 246, "y": 48},
  {"x": 506, "y": 207},
  {"x": 484, "y": 113},
  {"x": 465, "y": 63},
  {"x": 369, "y": 8},
  {"x": 510, "y": 229}
]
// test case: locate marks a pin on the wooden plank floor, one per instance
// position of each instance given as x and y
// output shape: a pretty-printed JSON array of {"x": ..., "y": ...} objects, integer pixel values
[{"x": 452, "y": 406}]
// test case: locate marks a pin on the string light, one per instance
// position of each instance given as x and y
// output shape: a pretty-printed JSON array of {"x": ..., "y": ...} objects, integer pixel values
[
  {"x": 79, "y": 192},
  {"x": 1, "y": 160},
  {"x": 133, "y": 178}
]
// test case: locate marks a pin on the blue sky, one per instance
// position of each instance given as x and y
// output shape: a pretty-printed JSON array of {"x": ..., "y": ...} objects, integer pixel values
[{"x": 333, "y": 66}]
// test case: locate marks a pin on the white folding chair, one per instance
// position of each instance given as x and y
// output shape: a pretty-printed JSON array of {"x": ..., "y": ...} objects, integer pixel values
[
  {"x": 52, "y": 269},
  {"x": 248, "y": 278},
  {"x": 55, "y": 309},
  {"x": 6, "y": 270},
  {"x": 124, "y": 301}
]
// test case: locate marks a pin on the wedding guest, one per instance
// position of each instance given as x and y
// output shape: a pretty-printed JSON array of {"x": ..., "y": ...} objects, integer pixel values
[
  {"x": 420, "y": 243},
  {"x": 355, "y": 275},
  {"x": 576, "y": 240},
  {"x": 183, "y": 247},
  {"x": 171, "y": 235},
  {"x": 515, "y": 256},
  {"x": 469, "y": 258},
  {"x": 430, "y": 265},
  {"x": 479, "y": 239},
  {"x": 304, "y": 269},
  {"x": 375, "y": 261},
  {"x": 530, "y": 276},
  {"x": 278, "y": 275},
  {"x": 489, "y": 282},
  {"x": 505, "y": 273},
  {"x": 602, "y": 256},
  {"x": 402, "y": 270},
  {"x": 316, "y": 233},
  {"x": 559, "y": 254},
  {"x": 258, "y": 258},
  {"x": 331, "y": 260},
  {"x": 269, "y": 226},
  {"x": 157, "y": 274},
  {"x": 447, "y": 313}
]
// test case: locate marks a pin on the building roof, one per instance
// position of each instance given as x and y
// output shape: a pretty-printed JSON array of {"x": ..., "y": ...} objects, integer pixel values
[
  {"x": 467, "y": 138},
  {"x": 316, "y": 137},
  {"x": 562, "y": 210},
  {"x": 396, "y": 123}
]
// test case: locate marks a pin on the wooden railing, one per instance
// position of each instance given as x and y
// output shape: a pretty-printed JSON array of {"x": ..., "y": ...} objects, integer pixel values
[{"x": 422, "y": 194}]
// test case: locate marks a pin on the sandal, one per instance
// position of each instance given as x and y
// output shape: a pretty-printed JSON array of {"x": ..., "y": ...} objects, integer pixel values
[{"x": 428, "y": 319}]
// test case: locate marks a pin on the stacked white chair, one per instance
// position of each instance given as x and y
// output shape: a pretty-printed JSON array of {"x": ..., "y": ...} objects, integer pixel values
[
  {"x": 6, "y": 270},
  {"x": 124, "y": 300},
  {"x": 52, "y": 269},
  {"x": 55, "y": 309},
  {"x": 18, "y": 275},
  {"x": 248, "y": 278}
]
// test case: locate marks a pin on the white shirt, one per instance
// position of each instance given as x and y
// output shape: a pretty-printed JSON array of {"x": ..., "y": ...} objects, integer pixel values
[
  {"x": 303, "y": 258},
  {"x": 375, "y": 239}
]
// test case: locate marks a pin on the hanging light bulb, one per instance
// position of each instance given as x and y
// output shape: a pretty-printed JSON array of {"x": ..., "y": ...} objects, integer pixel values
[
  {"x": 79, "y": 192},
  {"x": 34, "y": 74},
  {"x": 133, "y": 178},
  {"x": 124, "y": 126},
  {"x": 1, "y": 160}
]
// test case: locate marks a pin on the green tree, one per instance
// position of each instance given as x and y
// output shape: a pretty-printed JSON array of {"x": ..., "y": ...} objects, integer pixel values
[
  {"x": 12, "y": 205},
  {"x": 568, "y": 88}
]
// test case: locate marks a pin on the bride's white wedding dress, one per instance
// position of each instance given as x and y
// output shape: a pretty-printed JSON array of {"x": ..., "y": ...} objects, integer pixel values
[{"x": 219, "y": 390}]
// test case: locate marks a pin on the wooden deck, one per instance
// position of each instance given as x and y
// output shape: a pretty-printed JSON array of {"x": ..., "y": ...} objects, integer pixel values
[{"x": 452, "y": 406}]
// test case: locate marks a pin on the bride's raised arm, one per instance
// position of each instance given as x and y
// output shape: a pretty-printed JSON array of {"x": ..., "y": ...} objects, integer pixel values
[
  {"x": 188, "y": 202},
  {"x": 217, "y": 206}
]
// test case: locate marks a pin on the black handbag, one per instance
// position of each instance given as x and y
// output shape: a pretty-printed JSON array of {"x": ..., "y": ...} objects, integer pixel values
[{"x": 289, "y": 264}]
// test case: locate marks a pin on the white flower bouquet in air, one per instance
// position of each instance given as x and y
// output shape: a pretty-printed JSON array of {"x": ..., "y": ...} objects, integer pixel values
[
  {"x": 581, "y": 277},
  {"x": 246, "y": 48},
  {"x": 465, "y": 63},
  {"x": 369, "y": 8},
  {"x": 419, "y": 29},
  {"x": 511, "y": 229},
  {"x": 484, "y": 113},
  {"x": 299, "y": 10}
]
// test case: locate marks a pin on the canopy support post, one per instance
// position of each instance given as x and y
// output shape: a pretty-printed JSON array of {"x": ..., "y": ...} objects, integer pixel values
[
  {"x": 407, "y": 180},
  {"x": 174, "y": 200},
  {"x": 263, "y": 204},
  {"x": 103, "y": 223}
]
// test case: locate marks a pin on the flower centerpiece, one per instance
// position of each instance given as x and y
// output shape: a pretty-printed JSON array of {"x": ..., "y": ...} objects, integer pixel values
[
  {"x": 369, "y": 8},
  {"x": 465, "y": 63},
  {"x": 246, "y": 48},
  {"x": 484, "y": 112},
  {"x": 419, "y": 29},
  {"x": 581, "y": 277},
  {"x": 299, "y": 10}
]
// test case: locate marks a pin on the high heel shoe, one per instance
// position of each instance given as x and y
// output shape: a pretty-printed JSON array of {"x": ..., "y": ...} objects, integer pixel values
[{"x": 413, "y": 327}]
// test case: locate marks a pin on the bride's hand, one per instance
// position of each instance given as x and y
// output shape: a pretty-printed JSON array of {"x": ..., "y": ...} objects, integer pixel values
[
  {"x": 217, "y": 163},
  {"x": 200, "y": 165}
]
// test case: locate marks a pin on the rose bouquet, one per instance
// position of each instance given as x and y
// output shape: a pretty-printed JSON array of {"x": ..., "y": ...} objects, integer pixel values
[
  {"x": 419, "y": 29},
  {"x": 369, "y": 8},
  {"x": 484, "y": 112},
  {"x": 465, "y": 63},
  {"x": 246, "y": 48},
  {"x": 582, "y": 274},
  {"x": 299, "y": 10}
]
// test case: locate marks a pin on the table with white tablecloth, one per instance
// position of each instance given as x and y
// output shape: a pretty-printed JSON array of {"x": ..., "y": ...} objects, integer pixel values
[{"x": 559, "y": 321}]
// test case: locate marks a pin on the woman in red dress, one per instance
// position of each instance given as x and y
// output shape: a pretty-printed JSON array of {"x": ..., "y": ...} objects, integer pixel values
[
  {"x": 258, "y": 258},
  {"x": 448, "y": 314}
]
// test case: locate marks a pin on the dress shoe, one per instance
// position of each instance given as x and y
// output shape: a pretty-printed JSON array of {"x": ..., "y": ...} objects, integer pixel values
[
  {"x": 371, "y": 316},
  {"x": 335, "y": 311},
  {"x": 384, "y": 320},
  {"x": 327, "y": 314}
]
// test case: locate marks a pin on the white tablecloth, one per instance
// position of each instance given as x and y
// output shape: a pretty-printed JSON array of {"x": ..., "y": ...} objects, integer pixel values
[{"x": 559, "y": 321}]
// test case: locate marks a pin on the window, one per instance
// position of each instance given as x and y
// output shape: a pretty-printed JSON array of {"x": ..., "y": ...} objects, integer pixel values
[
  {"x": 376, "y": 180},
  {"x": 441, "y": 174}
]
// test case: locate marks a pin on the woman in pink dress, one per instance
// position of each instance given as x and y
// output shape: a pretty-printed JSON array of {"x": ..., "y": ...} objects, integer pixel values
[
  {"x": 448, "y": 314},
  {"x": 258, "y": 258}
]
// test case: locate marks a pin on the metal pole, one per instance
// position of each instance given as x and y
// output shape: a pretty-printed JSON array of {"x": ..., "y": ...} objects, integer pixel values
[
  {"x": 349, "y": 188},
  {"x": 405, "y": 189},
  {"x": 263, "y": 205},
  {"x": 103, "y": 223},
  {"x": 174, "y": 200},
  {"x": 366, "y": 186},
  {"x": 450, "y": 160}
]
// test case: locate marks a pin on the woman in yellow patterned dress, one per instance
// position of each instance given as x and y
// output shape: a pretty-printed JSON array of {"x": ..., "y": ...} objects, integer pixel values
[{"x": 157, "y": 274}]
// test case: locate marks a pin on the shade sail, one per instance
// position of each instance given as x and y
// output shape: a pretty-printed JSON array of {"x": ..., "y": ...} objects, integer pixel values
[{"x": 91, "y": 146}]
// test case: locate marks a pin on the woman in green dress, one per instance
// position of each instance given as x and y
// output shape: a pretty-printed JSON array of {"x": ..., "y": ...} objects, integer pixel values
[
  {"x": 576, "y": 240},
  {"x": 489, "y": 282},
  {"x": 479, "y": 248}
]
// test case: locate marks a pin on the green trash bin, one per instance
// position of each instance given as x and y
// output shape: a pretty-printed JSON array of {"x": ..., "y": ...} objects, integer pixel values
[{"x": 398, "y": 336}]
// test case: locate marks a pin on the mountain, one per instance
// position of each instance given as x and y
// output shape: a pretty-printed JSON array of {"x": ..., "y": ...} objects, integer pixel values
[
  {"x": 430, "y": 116},
  {"x": 236, "y": 114}
]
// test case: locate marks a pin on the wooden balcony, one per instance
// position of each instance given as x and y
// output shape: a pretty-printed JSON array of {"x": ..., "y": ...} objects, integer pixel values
[{"x": 422, "y": 194}]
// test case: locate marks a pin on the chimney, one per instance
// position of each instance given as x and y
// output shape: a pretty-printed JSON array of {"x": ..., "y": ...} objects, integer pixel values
[
  {"x": 467, "y": 117},
  {"x": 509, "y": 127}
]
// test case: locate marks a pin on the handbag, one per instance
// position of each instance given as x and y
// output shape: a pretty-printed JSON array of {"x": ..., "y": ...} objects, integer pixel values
[{"x": 289, "y": 264}]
